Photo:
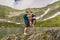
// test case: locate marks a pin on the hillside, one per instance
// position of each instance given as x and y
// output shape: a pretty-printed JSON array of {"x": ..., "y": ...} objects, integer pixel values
[
  {"x": 38, "y": 11},
  {"x": 54, "y": 22},
  {"x": 9, "y": 14},
  {"x": 55, "y": 7},
  {"x": 14, "y": 15},
  {"x": 4, "y": 10}
]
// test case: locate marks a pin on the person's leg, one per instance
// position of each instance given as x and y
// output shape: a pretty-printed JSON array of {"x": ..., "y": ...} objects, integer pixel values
[
  {"x": 25, "y": 31},
  {"x": 26, "y": 28},
  {"x": 33, "y": 26}
]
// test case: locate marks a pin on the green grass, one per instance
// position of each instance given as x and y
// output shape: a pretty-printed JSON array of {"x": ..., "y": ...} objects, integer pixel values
[
  {"x": 5, "y": 10},
  {"x": 55, "y": 7},
  {"x": 6, "y": 24},
  {"x": 54, "y": 22},
  {"x": 1, "y": 36}
]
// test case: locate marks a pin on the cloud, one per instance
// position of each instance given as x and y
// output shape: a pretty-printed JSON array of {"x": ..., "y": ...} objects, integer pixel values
[
  {"x": 52, "y": 1},
  {"x": 6, "y": 2},
  {"x": 40, "y": 3},
  {"x": 32, "y": 4},
  {"x": 23, "y": 4}
]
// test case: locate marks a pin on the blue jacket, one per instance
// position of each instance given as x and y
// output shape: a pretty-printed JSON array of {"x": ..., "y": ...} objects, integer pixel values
[{"x": 25, "y": 18}]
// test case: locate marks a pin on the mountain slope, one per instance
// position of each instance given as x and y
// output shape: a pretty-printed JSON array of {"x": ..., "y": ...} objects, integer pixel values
[
  {"x": 54, "y": 22},
  {"x": 6, "y": 11},
  {"x": 55, "y": 7},
  {"x": 10, "y": 14},
  {"x": 50, "y": 21}
]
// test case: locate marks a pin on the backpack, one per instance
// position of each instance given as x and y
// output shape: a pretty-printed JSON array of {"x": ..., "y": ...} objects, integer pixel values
[{"x": 33, "y": 15}]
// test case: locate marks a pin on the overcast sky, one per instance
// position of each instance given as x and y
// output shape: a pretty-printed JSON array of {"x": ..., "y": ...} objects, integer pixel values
[{"x": 23, "y": 4}]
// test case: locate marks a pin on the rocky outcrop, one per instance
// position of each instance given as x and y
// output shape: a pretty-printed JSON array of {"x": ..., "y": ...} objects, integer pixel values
[
  {"x": 50, "y": 34},
  {"x": 42, "y": 34}
]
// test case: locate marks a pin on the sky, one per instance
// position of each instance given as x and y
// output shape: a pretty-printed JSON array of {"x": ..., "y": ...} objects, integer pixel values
[{"x": 23, "y": 4}]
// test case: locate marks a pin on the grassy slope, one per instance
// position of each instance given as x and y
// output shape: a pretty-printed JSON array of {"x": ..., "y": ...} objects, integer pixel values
[
  {"x": 4, "y": 10},
  {"x": 6, "y": 24},
  {"x": 55, "y": 7},
  {"x": 37, "y": 11},
  {"x": 54, "y": 22}
]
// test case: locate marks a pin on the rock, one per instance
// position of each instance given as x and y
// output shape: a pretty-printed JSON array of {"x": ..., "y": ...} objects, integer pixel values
[{"x": 50, "y": 34}]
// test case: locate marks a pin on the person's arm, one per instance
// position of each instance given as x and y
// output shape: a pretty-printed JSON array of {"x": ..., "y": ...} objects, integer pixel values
[{"x": 29, "y": 15}]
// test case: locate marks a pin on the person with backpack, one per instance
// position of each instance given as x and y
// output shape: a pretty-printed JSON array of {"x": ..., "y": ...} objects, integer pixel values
[
  {"x": 33, "y": 21},
  {"x": 29, "y": 20},
  {"x": 26, "y": 21}
]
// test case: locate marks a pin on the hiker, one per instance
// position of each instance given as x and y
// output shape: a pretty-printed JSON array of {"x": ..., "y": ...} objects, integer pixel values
[
  {"x": 29, "y": 20},
  {"x": 33, "y": 21},
  {"x": 26, "y": 20}
]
